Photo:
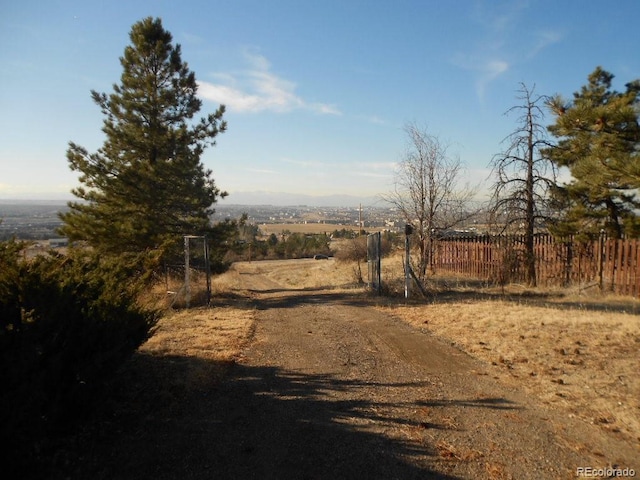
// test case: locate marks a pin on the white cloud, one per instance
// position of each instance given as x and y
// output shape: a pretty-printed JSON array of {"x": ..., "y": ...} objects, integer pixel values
[
  {"x": 261, "y": 170},
  {"x": 325, "y": 109},
  {"x": 377, "y": 166},
  {"x": 486, "y": 70},
  {"x": 494, "y": 68},
  {"x": 304, "y": 163},
  {"x": 503, "y": 42},
  {"x": 373, "y": 119},
  {"x": 544, "y": 40},
  {"x": 231, "y": 97},
  {"x": 258, "y": 89},
  {"x": 489, "y": 72}
]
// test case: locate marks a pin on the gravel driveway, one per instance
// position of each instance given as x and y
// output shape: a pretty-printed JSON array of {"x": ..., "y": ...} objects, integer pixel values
[
  {"x": 332, "y": 388},
  {"x": 329, "y": 387}
]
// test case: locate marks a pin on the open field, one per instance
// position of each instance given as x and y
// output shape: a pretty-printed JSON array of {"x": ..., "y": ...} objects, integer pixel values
[
  {"x": 310, "y": 228},
  {"x": 296, "y": 274}
]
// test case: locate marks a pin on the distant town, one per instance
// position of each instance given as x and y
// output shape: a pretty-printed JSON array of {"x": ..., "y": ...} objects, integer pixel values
[
  {"x": 30, "y": 220},
  {"x": 364, "y": 217},
  {"x": 40, "y": 221}
]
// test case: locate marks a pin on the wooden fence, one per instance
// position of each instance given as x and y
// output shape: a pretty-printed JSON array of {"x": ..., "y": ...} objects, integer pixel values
[{"x": 611, "y": 265}]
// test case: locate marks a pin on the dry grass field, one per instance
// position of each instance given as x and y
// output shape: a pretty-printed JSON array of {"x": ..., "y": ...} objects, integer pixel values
[
  {"x": 582, "y": 361},
  {"x": 579, "y": 353},
  {"x": 294, "y": 274},
  {"x": 208, "y": 334},
  {"x": 310, "y": 228}
]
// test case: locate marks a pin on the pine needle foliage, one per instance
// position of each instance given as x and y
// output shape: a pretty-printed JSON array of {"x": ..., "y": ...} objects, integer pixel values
[
  {"x": 67, "y": 323},
  {"x": 146, "y": 186},
  {"x": 598, "y": 136}
]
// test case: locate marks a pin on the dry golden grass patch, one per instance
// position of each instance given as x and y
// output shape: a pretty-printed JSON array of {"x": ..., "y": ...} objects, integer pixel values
[
  {"x": 313, "y": 226},
  {"x": 310, "y": 228},
  {"x": 580, "y": 360},
  {"x": 205, "y": 340},
  {"x": 208, "y": 333},
  {"x": 314, "y": 274},
  {"x": 294, "y": 274}
]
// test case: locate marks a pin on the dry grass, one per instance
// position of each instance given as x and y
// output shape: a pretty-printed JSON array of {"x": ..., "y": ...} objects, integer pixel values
[
  {"x": 315, "y": 274},
  {"x": 207, "y": 340},
  {"x": 311, "y": 228},
  {"x": 207, "y": 333},
  {"x": 574, "y": 353},
  {"x": 293, "y": 274},
  {"x": 447, "y": 451}
]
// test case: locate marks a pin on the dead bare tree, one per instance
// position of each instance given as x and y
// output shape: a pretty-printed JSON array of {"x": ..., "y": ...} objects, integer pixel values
[
  {"x": 524, "y": 176},
  {"x": 428, "y": 192}
]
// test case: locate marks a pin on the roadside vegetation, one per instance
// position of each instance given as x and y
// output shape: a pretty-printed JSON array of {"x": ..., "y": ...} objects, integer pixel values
[
  {"x": 66, "y": 325},
  {"x": 576, "y": 352},
  {"x": 285, "y": 246}
]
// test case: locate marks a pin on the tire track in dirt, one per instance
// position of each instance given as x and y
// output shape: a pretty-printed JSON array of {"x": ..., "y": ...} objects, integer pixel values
[{"x": 331, "y": 388}]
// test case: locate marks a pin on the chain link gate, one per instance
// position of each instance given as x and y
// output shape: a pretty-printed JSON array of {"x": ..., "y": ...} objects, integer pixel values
[{"x": 374, "y": 255}]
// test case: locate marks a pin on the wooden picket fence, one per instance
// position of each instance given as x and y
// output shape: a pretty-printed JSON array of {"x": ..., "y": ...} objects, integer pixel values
[{"x": 611, "y": 265}]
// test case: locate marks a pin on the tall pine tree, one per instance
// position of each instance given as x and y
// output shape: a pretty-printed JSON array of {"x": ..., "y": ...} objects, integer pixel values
[
  {"x": 598, "y": 141},
  {"x": 146, "y": 186}
]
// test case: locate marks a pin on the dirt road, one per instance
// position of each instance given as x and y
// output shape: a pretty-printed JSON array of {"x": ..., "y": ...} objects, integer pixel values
[{"x": 330, "y": 387}]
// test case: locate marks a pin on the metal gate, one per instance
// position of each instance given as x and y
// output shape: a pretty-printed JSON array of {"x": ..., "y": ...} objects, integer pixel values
[{"x": 374, "y": 253}]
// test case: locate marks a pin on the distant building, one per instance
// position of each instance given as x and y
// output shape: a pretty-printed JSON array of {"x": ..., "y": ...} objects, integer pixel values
[{"x": 58, "y": 242}]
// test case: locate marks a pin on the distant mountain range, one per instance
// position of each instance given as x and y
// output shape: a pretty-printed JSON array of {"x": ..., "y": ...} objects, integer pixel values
[
  {"x": 279, "y": 199},
  {"x": 37, "y": 201}
]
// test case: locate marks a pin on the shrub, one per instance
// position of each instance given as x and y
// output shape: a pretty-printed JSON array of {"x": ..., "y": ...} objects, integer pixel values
[{"x": 66, "y": 324}]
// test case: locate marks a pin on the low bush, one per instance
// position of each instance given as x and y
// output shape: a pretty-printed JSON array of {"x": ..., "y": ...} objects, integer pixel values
[
  {"x": 294, "y": 245},
  {"x": 66, "y": 324}
]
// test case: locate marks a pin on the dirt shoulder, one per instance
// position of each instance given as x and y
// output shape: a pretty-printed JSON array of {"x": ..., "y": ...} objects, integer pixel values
[
  {"x": 326, "y": 385},
  {"x": 581, "y": 362}
]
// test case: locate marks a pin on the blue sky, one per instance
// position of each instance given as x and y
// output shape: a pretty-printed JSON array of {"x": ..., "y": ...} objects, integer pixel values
[{"x": 317, "y": 92}]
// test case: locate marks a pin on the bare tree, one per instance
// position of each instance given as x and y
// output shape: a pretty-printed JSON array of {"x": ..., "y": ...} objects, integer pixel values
[
  {"x": 524, "y": 176},
  {"x": 427, "y": 191}
]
